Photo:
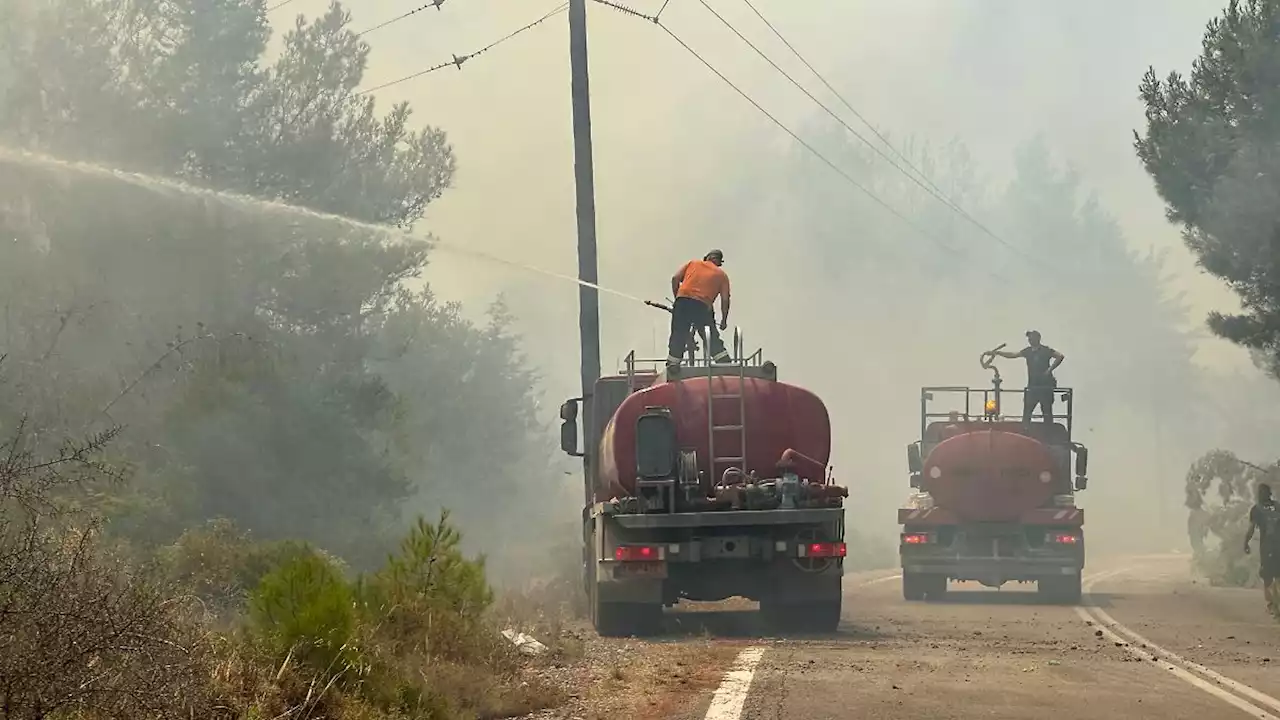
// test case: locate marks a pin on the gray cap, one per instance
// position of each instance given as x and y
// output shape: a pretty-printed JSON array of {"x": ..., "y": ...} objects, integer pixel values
[{"x": 715, "y": 252}]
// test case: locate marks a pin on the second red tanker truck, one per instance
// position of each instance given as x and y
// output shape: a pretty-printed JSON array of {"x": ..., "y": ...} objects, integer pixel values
[
  {"x": 995, "y": 498},
  {"x": 703, "y": 483}
]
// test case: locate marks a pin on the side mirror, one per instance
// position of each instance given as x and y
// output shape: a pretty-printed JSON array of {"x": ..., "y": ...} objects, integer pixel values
[
  {"x": 569, "y": 427},
  {"x": 1082, "y": 483},
  {"x": 914, "y": 463},
  {"x": 915, "y": 480},
  {"x": 1082, "y": 460},
  {"x": 569, "y": 410}
]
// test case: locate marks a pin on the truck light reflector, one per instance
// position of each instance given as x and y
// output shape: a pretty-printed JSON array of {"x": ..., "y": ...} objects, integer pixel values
[
  {"x": 637, "y": 553},
  {"x": 823, "y": 549},
  {"x": 1065, "y": 538},
  {"x": 915, "y": 538}
]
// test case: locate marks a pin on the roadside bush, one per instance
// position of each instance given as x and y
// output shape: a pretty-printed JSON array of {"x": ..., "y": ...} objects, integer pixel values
[
  {"x": 81, "y": 633},
  {"x": 221, "y": 564},
  {"x": 415, "y": 639},
  {"x": 430, "y": 599},
  {"x": 306, "y": 610}
]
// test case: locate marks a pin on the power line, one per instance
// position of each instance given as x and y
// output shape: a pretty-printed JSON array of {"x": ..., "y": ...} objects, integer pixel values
[
  {"x": 458, "y": 60},
  {"x": 939, "y": 193},
  {"x": 848, "y": 178},
  {"x": 836, "y": 92},
  {"x": 280, "y": 4},
  {"x": 795, "y": 136},
  {"x": 818, "y": 102},
  {"x": 936, "y": 194},
  {"x": 433, "y": 4}
]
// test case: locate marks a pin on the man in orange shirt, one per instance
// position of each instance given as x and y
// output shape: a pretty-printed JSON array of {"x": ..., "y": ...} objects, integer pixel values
[{"x": 696, "y": 285}]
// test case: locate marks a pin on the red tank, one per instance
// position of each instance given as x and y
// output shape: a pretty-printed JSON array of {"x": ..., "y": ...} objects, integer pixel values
[
  {"x": 779, "y": 417},
  {"x": 989, "y": 475}
]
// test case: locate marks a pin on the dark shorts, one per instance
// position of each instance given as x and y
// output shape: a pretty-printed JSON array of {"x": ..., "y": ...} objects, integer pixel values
[{"x": 1270, "y": 566}]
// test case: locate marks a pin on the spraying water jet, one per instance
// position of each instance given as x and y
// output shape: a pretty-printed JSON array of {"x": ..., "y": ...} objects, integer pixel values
[{"x": 162, "y": 185}]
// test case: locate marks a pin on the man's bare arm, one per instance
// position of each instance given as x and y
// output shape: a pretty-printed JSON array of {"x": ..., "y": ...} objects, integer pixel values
[
  {"x": 724, "y": 303},
  {"x": 1056, "y": 360},
  {"x": 677, "y": 279},
  {"x": 1008, "y": 355},
  {"x": 1248, "y": 535}
]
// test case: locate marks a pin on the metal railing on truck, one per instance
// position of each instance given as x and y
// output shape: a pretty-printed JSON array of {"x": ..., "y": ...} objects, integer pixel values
[{"x": 972, "y": 403}]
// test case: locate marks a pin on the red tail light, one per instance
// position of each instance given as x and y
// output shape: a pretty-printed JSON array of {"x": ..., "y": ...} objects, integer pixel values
[
  {"x": 1065, "y": 538},
  {"x": 637, "y": 553},
  {"x": 915, "y": 538},
  {"x": 823, "y": 550}
]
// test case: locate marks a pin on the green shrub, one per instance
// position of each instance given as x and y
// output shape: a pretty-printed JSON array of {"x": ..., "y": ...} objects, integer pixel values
[
  {"x": 430, "y": 599},
  {"x": 222, "y": 565},
  {"x": 306, "y": 610}
]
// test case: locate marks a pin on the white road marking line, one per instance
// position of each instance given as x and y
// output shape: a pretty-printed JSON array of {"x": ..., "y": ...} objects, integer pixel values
[
  {"x": 1109, "y": 627},
  {"x": 877, "y": 581},
  {"x": 731, "y": 696}
]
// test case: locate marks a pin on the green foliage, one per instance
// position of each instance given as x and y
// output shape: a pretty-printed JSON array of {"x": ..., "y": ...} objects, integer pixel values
[
  {"x": 305, "y": 609},
  {"x": 1221, "y": 488},
  {"x": 276, "y": 371},
  {"x": 221, "y": 565},
  {"x": 1211, "y": 146},
  {"x": 414, "y": 639},
  {"x": 432, "y": 598}
]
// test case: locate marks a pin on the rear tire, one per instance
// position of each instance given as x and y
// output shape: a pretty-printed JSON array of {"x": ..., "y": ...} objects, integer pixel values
[
  {"x": 912, "y": 588},
  {"x": 818, "y": 617},
  {"x": 1063, "y": 590},
  {"x": 627, "y": 619},
  {"x": 935, "y": 586}
]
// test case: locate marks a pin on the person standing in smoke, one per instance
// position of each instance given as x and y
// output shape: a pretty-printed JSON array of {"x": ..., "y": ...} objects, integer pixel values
[
  {"x": 1042, "y": 360},
  {"x": 696, "y": 285},
  {"x": 1265, "y": 517}
]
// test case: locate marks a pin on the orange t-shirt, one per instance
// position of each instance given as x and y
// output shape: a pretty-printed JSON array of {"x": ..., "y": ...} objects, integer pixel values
[{"x": 703, "y": 280}]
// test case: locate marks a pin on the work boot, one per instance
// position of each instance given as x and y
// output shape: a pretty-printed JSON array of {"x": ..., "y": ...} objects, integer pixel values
[
  {"x": 673, "y": 363},
  {"x": 723, "y": 357}
]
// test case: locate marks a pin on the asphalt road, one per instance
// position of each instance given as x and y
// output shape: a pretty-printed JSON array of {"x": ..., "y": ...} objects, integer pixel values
[{"x": 1147, "y": 642}]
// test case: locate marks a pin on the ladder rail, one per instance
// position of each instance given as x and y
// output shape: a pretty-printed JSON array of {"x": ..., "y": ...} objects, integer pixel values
[{"x": 715, "y": 459}]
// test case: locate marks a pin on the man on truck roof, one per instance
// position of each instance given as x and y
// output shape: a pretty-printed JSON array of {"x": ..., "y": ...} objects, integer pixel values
[
  {"x": 1042, "y": 360},
  {"x": 1265, "y": 516},
  {"x": 696, "y": 285}
]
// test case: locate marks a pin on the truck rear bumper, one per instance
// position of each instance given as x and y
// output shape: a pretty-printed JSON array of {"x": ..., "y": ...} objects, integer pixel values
[
  {"x": 724, "y": 518},
  {"x": 712, "y": 581},
  {"x": 993, "y": 570}
]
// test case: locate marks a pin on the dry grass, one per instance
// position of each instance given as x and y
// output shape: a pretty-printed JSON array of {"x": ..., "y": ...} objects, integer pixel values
[
  {"x": 652, "y": 681},
  {"x": 80, "y": 633}
]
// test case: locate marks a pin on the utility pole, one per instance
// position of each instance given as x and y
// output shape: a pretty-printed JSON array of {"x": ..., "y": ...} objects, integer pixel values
[{"x": 584, "y": 182}]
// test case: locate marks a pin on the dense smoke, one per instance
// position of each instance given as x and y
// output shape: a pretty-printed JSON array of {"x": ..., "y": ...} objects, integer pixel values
[{"x": 1021, "y": 116}]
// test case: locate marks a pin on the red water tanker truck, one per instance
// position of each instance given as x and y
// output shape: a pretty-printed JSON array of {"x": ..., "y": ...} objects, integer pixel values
[
  {"x": 702, "y": 483},
  {"x": 994, "y": 498}
]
